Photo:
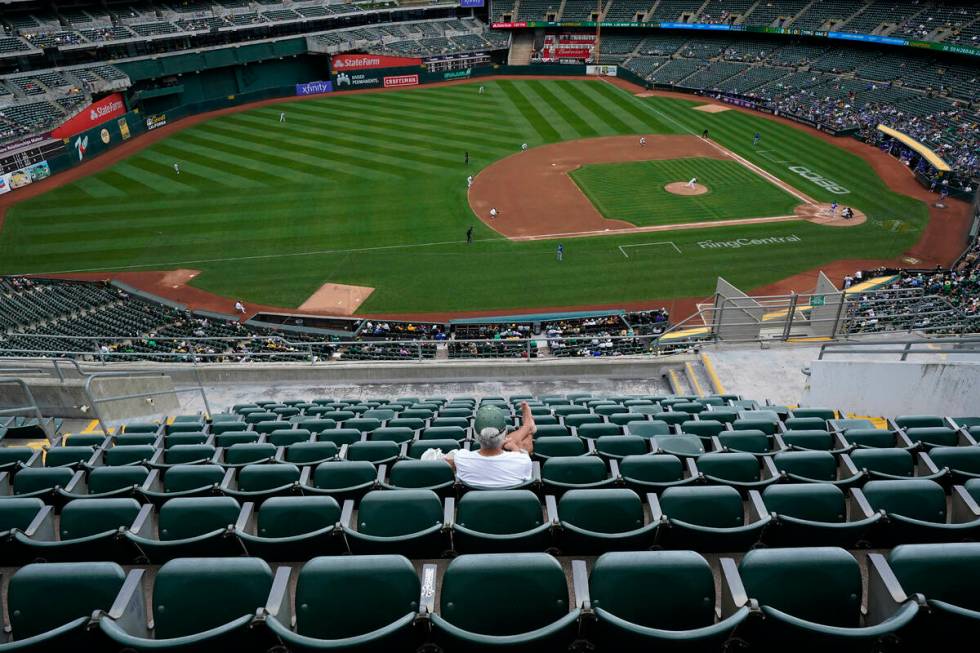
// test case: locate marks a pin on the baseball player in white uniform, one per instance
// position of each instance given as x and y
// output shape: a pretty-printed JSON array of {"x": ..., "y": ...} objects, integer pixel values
[{"x": 693, "y": 183}]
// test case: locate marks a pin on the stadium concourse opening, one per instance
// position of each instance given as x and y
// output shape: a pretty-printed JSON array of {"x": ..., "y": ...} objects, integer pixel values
[{"x": 543, "y": 201}]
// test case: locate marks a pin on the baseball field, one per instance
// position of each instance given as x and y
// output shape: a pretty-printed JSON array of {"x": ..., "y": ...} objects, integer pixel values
[{"x": 369, "y": 189}]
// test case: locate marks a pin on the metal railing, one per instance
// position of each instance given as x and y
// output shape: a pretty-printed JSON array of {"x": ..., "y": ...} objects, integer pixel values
[
  {"x": 95, "y": 402},
  {"x": 905, "y": 348}
]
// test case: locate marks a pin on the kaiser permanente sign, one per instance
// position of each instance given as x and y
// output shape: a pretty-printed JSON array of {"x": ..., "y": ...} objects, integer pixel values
[{"x": 711, "y": 27}]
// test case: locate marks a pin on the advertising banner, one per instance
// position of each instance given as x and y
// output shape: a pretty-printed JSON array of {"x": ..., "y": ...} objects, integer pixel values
[
  {"x": 470, "y": 4},
  {"x": 603, "y": 71},
  {"x": 394, "y": 81},
  {"x": 123, "y": 128},
  {"x": 27, "y": 142},
  {"x": 347, "y": 62},
  {"x": 354, "y": 80},
  {"x": 158, "y": 120},
  {"x": 466, "y": 73},
  {"x": 314, "y": 88},
  {"x": 4, "y": 184},
  {"x": 39, "y": 171},
  {"x": 109, "y": 107},
  {"x": 19, "y": 179}
]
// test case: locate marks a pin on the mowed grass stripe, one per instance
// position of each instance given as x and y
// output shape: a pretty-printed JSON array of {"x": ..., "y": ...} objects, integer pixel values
[
  {"x": 390, "y": 154},
  {"x": 533, "y": 117},
  {"x": 572, "y": 104},
  {"x": 138, "y": 180},
  {"x": 289, "y": 153},
  {"x": 568, "y": 115},
  {"x": 622, "y": 99},
  {"x": 248, "y": 169},
  {"x": 93, "y": 187},
  {"x": 553, "y": 113},
  {"x": 222, "y": 172},
  {"x": 600, "y": 113}
]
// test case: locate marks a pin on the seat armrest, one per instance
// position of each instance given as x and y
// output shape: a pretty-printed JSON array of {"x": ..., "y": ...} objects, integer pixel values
[
  {"x": 129, "y": 608},
  {"x": 902, "y": 440},
  {"x": 77, "y": 484},
  {"x": 380, "y": 477},
  {"x": 966, "y": 440},
  {"x": 925, "y": 466},
  {"x": 691, "y": 468},
  {"x": 656, "y": 512},
  {"x": 536, "y": 472},
  {"x": 551, "y": 506},
  {"x": 858, "y": 507},
  {"x": 342, "y": 454},
  {"x": 42, "y": 526},
  {"x": 304, "y": 475},
  {"x": 580, "y": 585},
  {"x": 228, "y": 482},
  {"x": 278, "y": 605},
  {"x": 769, "y": 469},
  {"x": 840, "y": 442},
  {"x": 145, "y": 523},
  {"x": 347, "y": 513},
  {"x": 885, "y": 593},
  {"x": 963, "y": 507},
  {"x": 590, "y": 446},
  {"x": 157, "y": 457},
  {"x": 848, "y": 465},
  {"x": 733, "y": 594},
  {"x": 427, "y": 597},
  {"x": 246, "y": 518},
  {"x": 780, "y": 444},
  {"x": 152, "y": 482},
  {"x": 402, "y": 452},
  {"x": 96, "y": 459},
  {"x": 614, "y": 473},
  {"x": 716, "y": 443},
  {"x": 449, "y": 513},
  {"x": 757, "y": 507}
]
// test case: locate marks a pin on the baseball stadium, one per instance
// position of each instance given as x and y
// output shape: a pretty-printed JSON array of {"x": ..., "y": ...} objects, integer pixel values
[{"x": 430, "y": 326}]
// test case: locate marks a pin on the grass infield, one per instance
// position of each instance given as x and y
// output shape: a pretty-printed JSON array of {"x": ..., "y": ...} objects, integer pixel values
[
  {"x": 369, "y": 189},
  {"x": 634, "y": 191}
]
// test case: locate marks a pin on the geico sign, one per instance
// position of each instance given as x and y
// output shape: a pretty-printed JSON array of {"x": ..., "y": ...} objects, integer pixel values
[{"x": 823, "y": 182}]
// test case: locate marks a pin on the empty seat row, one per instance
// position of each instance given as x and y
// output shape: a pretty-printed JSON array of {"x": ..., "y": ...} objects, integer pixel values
[
  {"x": 419, "y": 523},
  {"x": 807, "y": 599}
]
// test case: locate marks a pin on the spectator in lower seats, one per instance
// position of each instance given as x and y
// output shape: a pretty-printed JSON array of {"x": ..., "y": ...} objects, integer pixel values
[{"x": 503, "y": 459}]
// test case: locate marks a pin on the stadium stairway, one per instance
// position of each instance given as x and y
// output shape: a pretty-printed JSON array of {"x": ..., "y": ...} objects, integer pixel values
[{"x": 520, "y": 49}]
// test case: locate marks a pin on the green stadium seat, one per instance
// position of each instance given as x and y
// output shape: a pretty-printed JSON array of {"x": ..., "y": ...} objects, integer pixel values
[
  {"x": 89, "y": 529},
  {"x": 189, "y": 527},
  {"x": 812, "y": 412},
  {"x": 239, "y": 455},
  {"x": 413, "y": 423},
  {"x": 934, "y": 436},
  {"x": 133, "y": 454},
  {"x": 653, "y": 473},
  {"x": 919, "y": 421},
  {"x": 199, "y": 604},
  {"x": 187, "y": 454},
  {"x": 433, "y": 475},
  {"x": 392, "y": 434},
  {"x": 38, "y": 623},
  {"x": 196, "y": 437},
  {"x": 622, "y": 419},
  {"x": 946, "y": 575},
  {"x": 441, "y": 422},
  {"x": 498, "y": 521},
  {"x": 871, "y": 438},
  {"x": 496, "y": 600},
  {"x": 962, "y": 462},
  {"x": 811, "y": 440},
  {"x": 70, "y": 456},
  {"x": 685, "y": 446},
  {"x": 705, "y": 518},
  {"x": 751, "y": 441},
  {"x": 14, "y": 458},
  {"x": 631, "y": 617},
  {"x": 186, "y": 481},
  {"x": 885, "y": 464},
  {"x": 310, "y": 453},
  {"x": 443, "y": 433},
  {"x": 225, "y": 440},
  {"x": 672, "y": 418},
  {"x": 617, "y": 447},
  {"x": 376, "y": 611},
  {"x": 810, "y": 598},
  {"x": 577, "y": 420},
  {"x": 44, "y": 482},
  {"x": 95, "y": 440},
  {"x": 408, "y": 521},
  {"x": 545, "y": 448},
  {"x": 551, "y": 431},
  {"x": 742, "y": 471},
  {"x": 141, "y": 427},
  {"x": 724, "y": 415},
  {"x": 648, "y": 429},
  {"x": 806, "y": 424},
  {"x": 286, "y": 437},
  {"x": 343, "y": 479},
  {"x": 374, "y": 452},
  {"x": 220, "y": 428},
  {"x": 702, "y": 428},
  {"x": 339, "y": 437},
  {"x": 809, "y": 514},
  {"x": 812, "y": 467},
  {"x": 292, "y": 528},
  {"x": 107, "y": 482},
  {"x": 316, "y": 424},
  {"x": 595, "y": 521},
  {"x": 260, "y": 482},
  {"x": 915, "y": 511}
]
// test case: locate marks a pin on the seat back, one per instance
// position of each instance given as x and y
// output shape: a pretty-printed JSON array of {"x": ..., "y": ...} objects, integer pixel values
[
  {"x": 806, "y": 424},
  {"x": 870, "y": 437},
  {"x": 241, "y": 454},
  {"x": 915, "y": 498},
  {"x": 397, "y": 434},
  {"x": 943, "y": 572},
  {"x": 661, "y": 468},
  {"x": 377, "y": 590},
  {"x": 817, "y": 465},
  {"x": 750, "y": 441},
  {"x": 575, "y": 470},
  {"x": 940, "y": 436},
  {"x": 503, "y": 594},
  {"x": 85, "y": 517},
  {"x": 551, "y": 431},
  {"x": 78, "y": 589},
  {"x": 648, "y": 429},
  {"x": 35, "y": 479},
  {"x": 735, "y": 467},
  {"x": 809, "y": 439},
  {"x": 175, "y": 439},
  {"x": 342, "y": 474},
  {"x": 420, "y": 473},
  {"x": 820, "y": 584},
  {"x": 373, "y": 451},
  {"x": 620, "y": 583},
  {"x": 58, "y": 456},
  {"x": 560, "y": 446},
  {"x": 819, "y": 502},
  {"x": 339, "y": 436},
  {"x": 126, "y": 454},
  {"x": 258, "y": 478},
  {"x": 593, "y": 431},
  {"x": 602, "y": 511},
  {"x": 310, "y": 452},
  {"x": 285, "y": 437},
  {"x": 919, "y": 421},
  {"x": 188, "y": 453},
  {"x": 290, "y": 516},
  {"x": 18, "y": 513},
  {"x": 622, "y": 445},
  {"x": 15, "y": 455},
  {"x": 110, "y": 479},
  {"x": 961, "y": 459},
  {"x": 443, "y": 433},
  {"x": 181, "y": 478},
  {"x": 499, "y": 512},
  {"x": 707, "y": 427},
  {"x": 186, "y": 517},
  {"x": 395, "y": 514},
  {"x": 895, "y": 462},
  {"x": 193, "y": 595},
  {"x": 715, "y": 506}
]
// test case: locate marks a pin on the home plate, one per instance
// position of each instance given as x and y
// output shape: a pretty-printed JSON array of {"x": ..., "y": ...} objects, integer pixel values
[{"x": 336, "y": 299}]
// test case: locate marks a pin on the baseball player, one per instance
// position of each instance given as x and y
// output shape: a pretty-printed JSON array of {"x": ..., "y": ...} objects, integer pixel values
[
  {"x": 693, "y": 183},
  {"x": 282, "y": 116},
  {"x": 523, "y": 147},
  {"x": 560, "y": 253},
  {"x": 756, "y": 139},
  {"x": 177, "y": 168},
  {"x": 643, "y": 141},
  {"x": 466, "y": 157},
  {"x": 481, "y": 90},
  {"x": 493, "y": 213},
  {"x": 469, "y": 181},
  {"x": 469, "y": 236},
  {"x": 833, "y": 209}
]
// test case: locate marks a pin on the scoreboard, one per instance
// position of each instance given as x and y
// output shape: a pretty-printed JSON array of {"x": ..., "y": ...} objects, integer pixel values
[{"x": 28, "y": 156}]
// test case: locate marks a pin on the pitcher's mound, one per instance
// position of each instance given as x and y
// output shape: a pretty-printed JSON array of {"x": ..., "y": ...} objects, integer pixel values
[
  {"x": 681, "y": 188},
  {"x": 823, "y": 214},
  {"x": 337, "y": 299}
]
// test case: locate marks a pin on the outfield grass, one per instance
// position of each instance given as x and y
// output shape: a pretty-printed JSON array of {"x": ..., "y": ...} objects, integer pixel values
[
  {"x": 634, "y": 191},
  {"x": 369, "y": 189}
]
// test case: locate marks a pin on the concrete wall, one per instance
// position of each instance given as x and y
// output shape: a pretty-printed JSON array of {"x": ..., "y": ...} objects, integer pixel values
[
  {"x": 823, "y": 319},
  {"x": 890, "y": 388},
  {"x": 736, "y": 316},
  {"x": 68, "y": 400}
]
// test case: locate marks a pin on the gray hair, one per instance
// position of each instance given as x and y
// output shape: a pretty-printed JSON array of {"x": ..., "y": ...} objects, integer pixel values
[{"x": 491, "y": 438}]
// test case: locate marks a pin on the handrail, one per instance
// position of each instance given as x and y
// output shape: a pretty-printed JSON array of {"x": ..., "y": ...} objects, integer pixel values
[
  {"x": 932, "y": 346},
  {"x": 32, "y": 404},
  {"x": 94, "y": 403}
]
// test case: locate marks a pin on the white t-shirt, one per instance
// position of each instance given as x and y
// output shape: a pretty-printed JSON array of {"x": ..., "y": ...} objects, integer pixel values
[{"x": 503, "y": 470}]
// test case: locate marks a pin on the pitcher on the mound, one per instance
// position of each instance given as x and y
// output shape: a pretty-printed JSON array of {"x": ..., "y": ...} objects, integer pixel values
[{"x": 693, "y": 183}]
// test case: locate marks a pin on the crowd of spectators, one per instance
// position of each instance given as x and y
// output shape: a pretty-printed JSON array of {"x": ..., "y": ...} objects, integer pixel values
[{"x": 403, "y": 330}]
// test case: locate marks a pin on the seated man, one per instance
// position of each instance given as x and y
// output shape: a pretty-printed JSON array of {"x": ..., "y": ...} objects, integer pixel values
[{"x": 503, "y": 459}]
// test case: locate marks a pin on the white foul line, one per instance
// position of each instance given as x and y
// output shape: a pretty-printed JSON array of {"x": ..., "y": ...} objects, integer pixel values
[{"x": 622, "y": 248}]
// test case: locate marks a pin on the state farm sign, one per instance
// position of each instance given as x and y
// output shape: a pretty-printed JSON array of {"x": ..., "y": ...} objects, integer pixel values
[
  {"x": 343, "y": 62},
  {"x": 109, "y": 107}
]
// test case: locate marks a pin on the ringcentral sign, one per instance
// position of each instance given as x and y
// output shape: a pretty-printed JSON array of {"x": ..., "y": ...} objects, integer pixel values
[
  {"x": 823, "y": 182},
  {"x": 747, "y": 242}
]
